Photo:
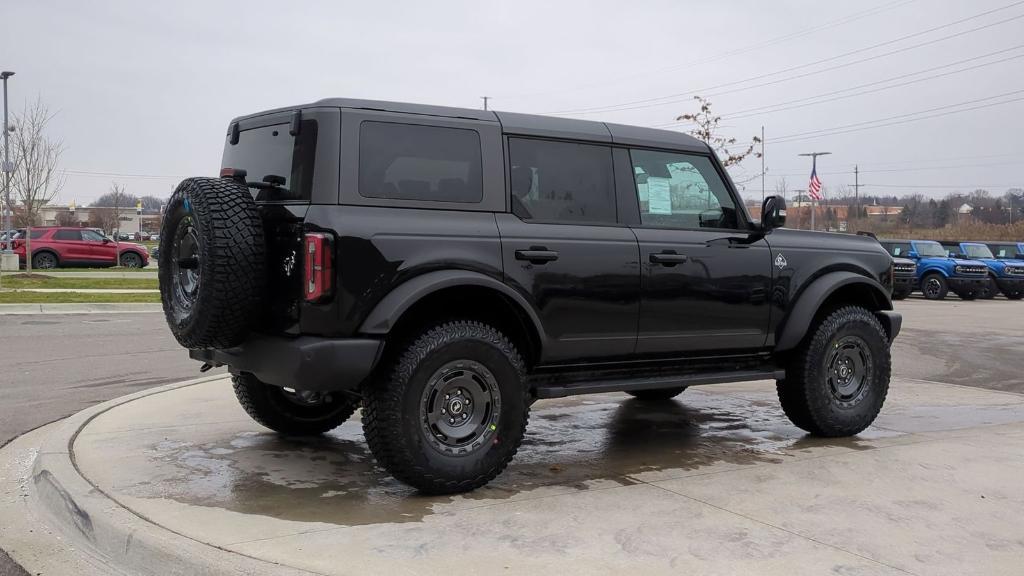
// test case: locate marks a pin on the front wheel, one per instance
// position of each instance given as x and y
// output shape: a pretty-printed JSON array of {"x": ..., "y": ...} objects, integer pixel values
[
  {"x": 293, "y": 413},
  {"x": 449, "y": 411},
  {"x": 934, "y": 287},
  {"x": 838, "y": 380},
  {"x": 131, "y": 260}
]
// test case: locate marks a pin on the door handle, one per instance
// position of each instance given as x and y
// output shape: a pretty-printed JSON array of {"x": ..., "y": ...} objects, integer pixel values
[
  {"x": 668, "y": 258},
  {"x": 537, "y": 255}
]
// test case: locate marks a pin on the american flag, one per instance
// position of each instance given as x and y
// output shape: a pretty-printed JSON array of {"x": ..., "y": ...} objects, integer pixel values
[{"x": 814, "y": 187}]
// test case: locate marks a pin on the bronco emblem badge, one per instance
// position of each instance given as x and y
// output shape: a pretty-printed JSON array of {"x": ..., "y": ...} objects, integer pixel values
[{"x": 780, "y": 262}]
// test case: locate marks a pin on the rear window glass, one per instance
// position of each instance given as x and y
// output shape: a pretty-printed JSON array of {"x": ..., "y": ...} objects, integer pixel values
[
  {"x": 271, "y": 153},
  {"x": 412, "y": 162}
]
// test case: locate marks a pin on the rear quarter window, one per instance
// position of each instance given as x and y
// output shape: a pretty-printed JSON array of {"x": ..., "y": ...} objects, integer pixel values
[{"x": 417, "y": 162}]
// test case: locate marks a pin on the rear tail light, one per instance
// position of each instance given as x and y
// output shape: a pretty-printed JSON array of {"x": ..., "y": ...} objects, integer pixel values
[{"x": 318, "y": 257}]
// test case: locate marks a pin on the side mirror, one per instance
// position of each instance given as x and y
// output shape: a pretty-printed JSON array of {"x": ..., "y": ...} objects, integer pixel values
[
  {"x": 913, "y": 254},
  {"x": 106, "y": 240},
  {"x": 773, "y": 213}
]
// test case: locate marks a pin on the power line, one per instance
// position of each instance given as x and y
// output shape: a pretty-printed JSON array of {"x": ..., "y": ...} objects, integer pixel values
[
  {"x": 898, "y": 170},
  {"x": 812, "y": 100},
  {"x": 804, "y": 31},
  {"x": 652, "y": 102},
  {"x": 836, "y": 130},
  {"x": 122, "y": 175}
]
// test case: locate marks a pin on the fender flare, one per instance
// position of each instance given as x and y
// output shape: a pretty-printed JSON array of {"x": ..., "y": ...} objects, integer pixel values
[
  {"x": 386, "y": 313},
  {"x": 938, "y": 269},
  {"x": 810, "y": 300}
]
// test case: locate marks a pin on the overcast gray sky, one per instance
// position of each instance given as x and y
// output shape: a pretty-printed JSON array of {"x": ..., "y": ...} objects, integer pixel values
[{"x": 147, "y": 88}]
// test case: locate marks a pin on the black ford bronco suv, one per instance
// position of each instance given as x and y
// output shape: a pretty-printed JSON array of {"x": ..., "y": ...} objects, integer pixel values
[{"x": 444, "y": 268}]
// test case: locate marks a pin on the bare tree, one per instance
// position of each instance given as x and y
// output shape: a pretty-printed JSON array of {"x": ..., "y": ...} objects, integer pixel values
[
  {"x": 103, "y": 218},
  {"x": 707, "y": 130},
  {"x": 66, "y": 218},
  {"x": 36, "y": 179}
]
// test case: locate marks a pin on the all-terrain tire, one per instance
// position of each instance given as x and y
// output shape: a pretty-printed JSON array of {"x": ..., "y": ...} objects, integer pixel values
[
  {"x": 212, "y": 269},
  {"x": 286, "y": 412},
  {"x": 934, "y": 286},
  {"x": 989, "y": 291},
  {"x": 413, "y": 387},
  {"x": 815, "y": 396},
  {"x": 656, "y": 394}
]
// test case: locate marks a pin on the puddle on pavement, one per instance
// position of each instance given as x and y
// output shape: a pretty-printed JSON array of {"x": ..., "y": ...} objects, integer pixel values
[{"x": 570, "y": 445}]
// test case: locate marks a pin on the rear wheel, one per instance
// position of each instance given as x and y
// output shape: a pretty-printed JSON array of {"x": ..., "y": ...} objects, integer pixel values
[
  {"x": 656, "y": 394},
  {"x": 838, "y": 380},
  {"x": 292, "y": 412},
  {"x": 449, "y": 411},
  {"x": 934, "y": 286},
  {"x": 44, "y": 261}
]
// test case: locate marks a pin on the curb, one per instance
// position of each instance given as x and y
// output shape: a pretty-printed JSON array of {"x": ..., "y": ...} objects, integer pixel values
[
  {"x": 96, "y": 526},
  {"x": 84, "y": 308}
]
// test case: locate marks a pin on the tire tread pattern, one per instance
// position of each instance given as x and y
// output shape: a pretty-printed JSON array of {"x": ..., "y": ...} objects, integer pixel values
[{"x": 382, "y": 414}]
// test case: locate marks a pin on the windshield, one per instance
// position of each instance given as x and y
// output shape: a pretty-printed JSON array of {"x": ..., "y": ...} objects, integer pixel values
[
  {"x": 977, "y": 251},
  {"x": 930, "y": 250},
  {"x": 1005, "y": 250}
]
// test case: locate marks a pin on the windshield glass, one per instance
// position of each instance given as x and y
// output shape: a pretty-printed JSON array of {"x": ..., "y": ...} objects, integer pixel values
[
  {"x": 1005, "y": 250},
  {"x": 977, "y": 251},
  {"x": 930, "y": 250}
]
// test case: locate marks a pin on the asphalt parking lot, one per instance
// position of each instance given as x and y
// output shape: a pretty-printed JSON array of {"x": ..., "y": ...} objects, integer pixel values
[{"x": 715, "y": 469}]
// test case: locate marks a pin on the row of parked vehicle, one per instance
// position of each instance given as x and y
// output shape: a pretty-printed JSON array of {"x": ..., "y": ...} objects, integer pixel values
[{"x": 968, "y": 269}]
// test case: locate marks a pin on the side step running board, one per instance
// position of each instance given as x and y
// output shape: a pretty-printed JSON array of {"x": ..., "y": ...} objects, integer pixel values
[{"x": 550, "y": 390}]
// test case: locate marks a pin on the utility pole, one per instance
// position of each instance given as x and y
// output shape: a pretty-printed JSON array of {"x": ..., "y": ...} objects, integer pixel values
[
  {"x": 762, "y": 166},
  {"x": 799, "y": 212},
  {"x": 7, "y": 168},
  {"x": 856, "y": 189},
  {"x": 485, "y": 99},
  {"x": 814, "y": 171}
]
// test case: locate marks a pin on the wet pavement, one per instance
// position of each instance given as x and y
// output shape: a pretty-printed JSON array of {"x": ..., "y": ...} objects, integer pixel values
[{"x": 715, "y": 482}]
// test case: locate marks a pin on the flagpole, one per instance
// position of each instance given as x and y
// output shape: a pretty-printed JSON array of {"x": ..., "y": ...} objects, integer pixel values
[{"x": 814, "y": 171}]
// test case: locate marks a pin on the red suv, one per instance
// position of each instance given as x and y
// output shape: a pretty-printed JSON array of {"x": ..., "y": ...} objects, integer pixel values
[{"x": 54, "y": 246}]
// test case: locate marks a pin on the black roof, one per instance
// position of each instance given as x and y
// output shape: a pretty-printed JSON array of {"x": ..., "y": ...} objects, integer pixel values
[{"x": 525, "y": 124}]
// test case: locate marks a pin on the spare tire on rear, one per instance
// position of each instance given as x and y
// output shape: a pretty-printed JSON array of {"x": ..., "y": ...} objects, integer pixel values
[{"x": 212, "y": 270}]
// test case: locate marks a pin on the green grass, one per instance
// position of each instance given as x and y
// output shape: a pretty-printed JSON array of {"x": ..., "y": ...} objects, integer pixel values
[
  {"x": 42, "y": 281},
  {"x": 111, "y": 269},
  {"x": 73, "y": 298}
]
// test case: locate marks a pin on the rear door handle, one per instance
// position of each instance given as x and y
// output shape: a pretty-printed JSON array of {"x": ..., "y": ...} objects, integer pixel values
[
  {"x": 537, "y": 255},
  {"x": 668, "y": 258}
]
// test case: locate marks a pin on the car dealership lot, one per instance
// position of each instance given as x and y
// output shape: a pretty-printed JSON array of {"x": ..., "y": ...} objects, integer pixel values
[{"x": 717, "y": 482}]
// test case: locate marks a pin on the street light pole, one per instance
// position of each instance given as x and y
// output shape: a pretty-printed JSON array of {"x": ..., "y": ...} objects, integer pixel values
[
  {"x": 7, "y": 164},
  {"x": 814, "y": 170}
]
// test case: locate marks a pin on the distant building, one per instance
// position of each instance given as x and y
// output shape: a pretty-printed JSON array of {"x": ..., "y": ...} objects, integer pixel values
[{"x": 127, "y": 221}]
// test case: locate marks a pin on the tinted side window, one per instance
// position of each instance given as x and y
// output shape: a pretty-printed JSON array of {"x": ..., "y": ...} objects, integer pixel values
[
  {"x": 561, "y": 181},
  {"x": 92, "y": 236},
  {"x": 67, "y": 235},
  {"x": 899, "y": 248},
  {"x": 412, "y": 162},
  {"x": 681, "y": 191}
]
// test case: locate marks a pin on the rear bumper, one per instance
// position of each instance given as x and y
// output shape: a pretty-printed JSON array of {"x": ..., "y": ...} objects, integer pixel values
[
  {"x": 303, "y": 363},
  {"x": 891, "y": 321}
]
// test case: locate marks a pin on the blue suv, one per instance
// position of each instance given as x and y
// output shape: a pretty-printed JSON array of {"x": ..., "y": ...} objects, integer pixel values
[
  {"x": 938, "y": 273},
  {"x": 1007, "y": 274},
  {"x": 1010, "y": 250}
]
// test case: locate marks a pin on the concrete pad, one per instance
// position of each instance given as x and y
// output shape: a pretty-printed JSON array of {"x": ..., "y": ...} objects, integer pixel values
[
  {"x": 716, "y": 482},
  {"x": 84, "y": 308}
]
